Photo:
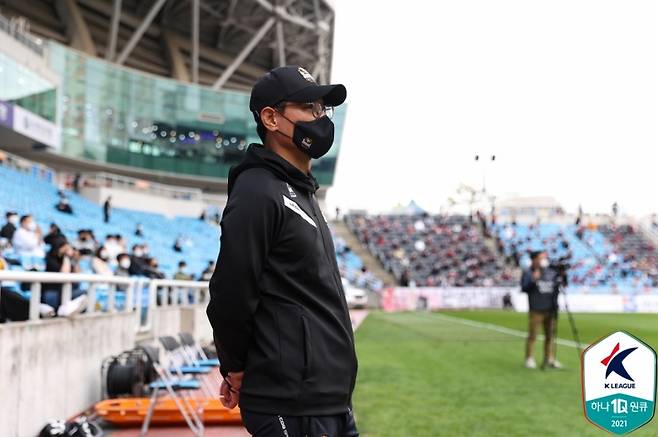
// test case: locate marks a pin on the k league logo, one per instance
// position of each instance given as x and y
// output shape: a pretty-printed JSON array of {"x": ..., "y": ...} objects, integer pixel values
[{"x": 619, "y": 383}]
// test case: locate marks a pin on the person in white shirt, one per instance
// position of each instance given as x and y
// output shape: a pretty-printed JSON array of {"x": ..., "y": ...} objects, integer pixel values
[
  {"x": 27, "y": 240},
  {"x": 113, "y": 248}
]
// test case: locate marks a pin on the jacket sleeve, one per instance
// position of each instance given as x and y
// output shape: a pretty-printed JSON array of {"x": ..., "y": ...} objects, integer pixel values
[
  {"x": 249, "y": 225},
  {"x": 527, "y": 283}
]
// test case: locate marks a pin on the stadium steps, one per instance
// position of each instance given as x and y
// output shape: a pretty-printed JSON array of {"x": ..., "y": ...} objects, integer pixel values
[
  {"x": 645, "y": 230},
  {"x": 491, "y": 245},
  {"x": 371, "y": 263}
]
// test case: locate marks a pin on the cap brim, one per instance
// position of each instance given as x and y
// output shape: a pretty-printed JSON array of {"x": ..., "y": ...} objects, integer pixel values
[{"x": 332, "y": 95}]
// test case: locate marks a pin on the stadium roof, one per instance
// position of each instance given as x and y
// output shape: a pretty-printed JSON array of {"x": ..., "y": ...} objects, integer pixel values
[{"x": 218, "y": 43}]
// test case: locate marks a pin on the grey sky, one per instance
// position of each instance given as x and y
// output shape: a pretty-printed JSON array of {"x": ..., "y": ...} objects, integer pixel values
[{"x": 564, "y": 93}]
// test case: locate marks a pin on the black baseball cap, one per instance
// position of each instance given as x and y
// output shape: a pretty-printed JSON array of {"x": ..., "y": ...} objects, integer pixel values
[
  {"x": 292, "y": 83},
  {"x": 535, "y": 253}
]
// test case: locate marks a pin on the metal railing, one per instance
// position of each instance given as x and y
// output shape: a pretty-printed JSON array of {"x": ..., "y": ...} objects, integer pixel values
[
  {"x": 126, "y": 182},
  {"x": 161, "y": 292}
]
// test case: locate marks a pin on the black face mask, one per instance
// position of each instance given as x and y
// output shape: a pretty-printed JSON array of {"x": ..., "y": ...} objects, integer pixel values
[{"x": 313, "y": 137}]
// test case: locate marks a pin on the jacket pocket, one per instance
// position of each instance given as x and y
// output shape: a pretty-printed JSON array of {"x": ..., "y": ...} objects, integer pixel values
[
  {"x": 292, "y": 357},
  {"x": 308, "y": 351}
]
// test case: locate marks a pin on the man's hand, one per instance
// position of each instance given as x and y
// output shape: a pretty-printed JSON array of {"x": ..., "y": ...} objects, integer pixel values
[{"x": 229, "y": 390}]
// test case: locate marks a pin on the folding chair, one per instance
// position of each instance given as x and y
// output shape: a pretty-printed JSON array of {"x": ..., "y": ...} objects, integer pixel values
[
  {"x": 195, "y": 352},
  {"x": 180, "y": 365},
  {"x": 173, "y": 386}
]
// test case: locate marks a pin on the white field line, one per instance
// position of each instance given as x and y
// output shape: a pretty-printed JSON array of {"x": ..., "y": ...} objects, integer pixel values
[{"x": 500, "y": 329}]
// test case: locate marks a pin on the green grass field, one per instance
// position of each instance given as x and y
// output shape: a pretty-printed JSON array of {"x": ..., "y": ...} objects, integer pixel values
[{"x": 428, "y": 374}]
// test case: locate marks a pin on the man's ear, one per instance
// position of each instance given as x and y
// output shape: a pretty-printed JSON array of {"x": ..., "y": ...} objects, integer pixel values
[{"x": 268, "y": 118}]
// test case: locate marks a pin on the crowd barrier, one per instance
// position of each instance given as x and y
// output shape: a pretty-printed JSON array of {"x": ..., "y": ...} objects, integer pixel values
[
  {"x": 117, "y": 294},
  {"x": 454, "y": 298}
]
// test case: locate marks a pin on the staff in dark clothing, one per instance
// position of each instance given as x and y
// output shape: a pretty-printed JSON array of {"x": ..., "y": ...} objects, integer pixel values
[
  {"x": 542, "y": 285},
  {"x": 9, "y": 228},
  {"x": 278, "y": 311},
  {"x": 107, "y": 207}
]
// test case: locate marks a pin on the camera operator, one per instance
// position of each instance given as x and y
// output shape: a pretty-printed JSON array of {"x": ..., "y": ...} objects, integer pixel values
[{"x": 542, "y": 282}]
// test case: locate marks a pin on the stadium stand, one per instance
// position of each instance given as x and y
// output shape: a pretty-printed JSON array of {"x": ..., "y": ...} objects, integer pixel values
[
  {"x": 598, "y": 256},
  {"x": 26, "y": 193},
  {"x": 633, "y": 249},
  {"x": 427, "y": 250},
  {"x": 168, "y": 240}
]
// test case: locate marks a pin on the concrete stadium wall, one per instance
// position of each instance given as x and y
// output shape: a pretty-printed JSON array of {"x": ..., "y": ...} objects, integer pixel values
[
  {"x": 195, "y": 321},
  {"x": 50, "y": 369},
  {"x": 173, "y": 320},
  {"x": 144, "y": 201}
]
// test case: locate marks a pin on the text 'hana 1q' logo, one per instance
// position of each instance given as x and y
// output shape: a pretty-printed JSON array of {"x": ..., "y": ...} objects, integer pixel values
[{"x": 619, "y": 383}]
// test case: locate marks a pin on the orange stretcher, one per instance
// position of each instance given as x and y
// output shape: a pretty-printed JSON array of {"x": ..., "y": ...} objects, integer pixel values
[{"x": 132, "y": 411}]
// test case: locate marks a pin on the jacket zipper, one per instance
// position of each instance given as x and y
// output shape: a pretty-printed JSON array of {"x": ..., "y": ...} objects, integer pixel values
[{"x": 339, "y": 285}]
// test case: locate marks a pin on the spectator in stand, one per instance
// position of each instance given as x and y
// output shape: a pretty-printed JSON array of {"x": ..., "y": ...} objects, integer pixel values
[
  {"x": 181, "y": 273},
  {"x": 178, "y": 245},
  {"x": 9, "y": 228},
  {"x": 113, "y": 248},
  {"x": 151, "y": 269},
  {"x": 121, "y": 242},
  {"x": 123, "y": 265},
  {"x": 100, "y": 263},
  {"x": 27, "y": 239},
  {"x": 404, "y": 279},
  {"x": 62, "y": 258},
  {"x": 107, "y": 208},
  {"x": 53, "y": 233},
  {"x": 139, "y": 231},
  {"x": 207, "y": 273},
  {"x": 85, "y": 243},
  {"x": 63, "y": 205},
  {"x": 138, "y": 262}
]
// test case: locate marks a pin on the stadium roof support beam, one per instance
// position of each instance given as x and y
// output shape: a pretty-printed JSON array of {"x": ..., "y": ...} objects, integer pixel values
[
  {"x": 134, "y": 39},
  {"x": 114, "y": 30},
  {"x": 176, "y": 61},
  {"x": 195, "y": 41},
  {"x": 227, "y": 20},
  {"x": 243, "y": 54},
  {"x": 320, "y": 70},
  {"x": 76, "y": 27},
  {"x": 280, "y": 44},
  {"x": 282, "y": 13}
]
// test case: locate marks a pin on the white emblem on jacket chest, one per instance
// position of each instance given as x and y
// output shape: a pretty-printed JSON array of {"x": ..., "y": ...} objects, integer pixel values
[
  {"x": 291, "y": 204},
  {"x": 290, "y": 190}
]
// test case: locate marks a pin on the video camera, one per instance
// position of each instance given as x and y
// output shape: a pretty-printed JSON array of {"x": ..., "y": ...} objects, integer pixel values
[{"x": 561, "y": 267}]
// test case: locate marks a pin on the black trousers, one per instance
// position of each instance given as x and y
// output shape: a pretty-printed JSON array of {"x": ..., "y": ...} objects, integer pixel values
[{"x": 272, "y": 425}]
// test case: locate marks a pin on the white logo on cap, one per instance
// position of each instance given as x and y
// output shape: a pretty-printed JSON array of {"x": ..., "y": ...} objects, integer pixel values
[{"x": 305, "y": 74}]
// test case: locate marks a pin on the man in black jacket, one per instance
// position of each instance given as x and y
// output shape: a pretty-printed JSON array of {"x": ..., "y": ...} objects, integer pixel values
[
  {"x": 278, "y": 311},
  {"x": 9, "y": 228},
  {"x": 542, "y": 284}
]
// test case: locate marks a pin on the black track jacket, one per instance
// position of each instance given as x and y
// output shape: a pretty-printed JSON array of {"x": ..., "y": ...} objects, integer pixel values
[{"x": 277, "y": 305}]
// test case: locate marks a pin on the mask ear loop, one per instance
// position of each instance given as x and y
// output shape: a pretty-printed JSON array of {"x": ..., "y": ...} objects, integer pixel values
[{"x": 289, "y": 121}]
